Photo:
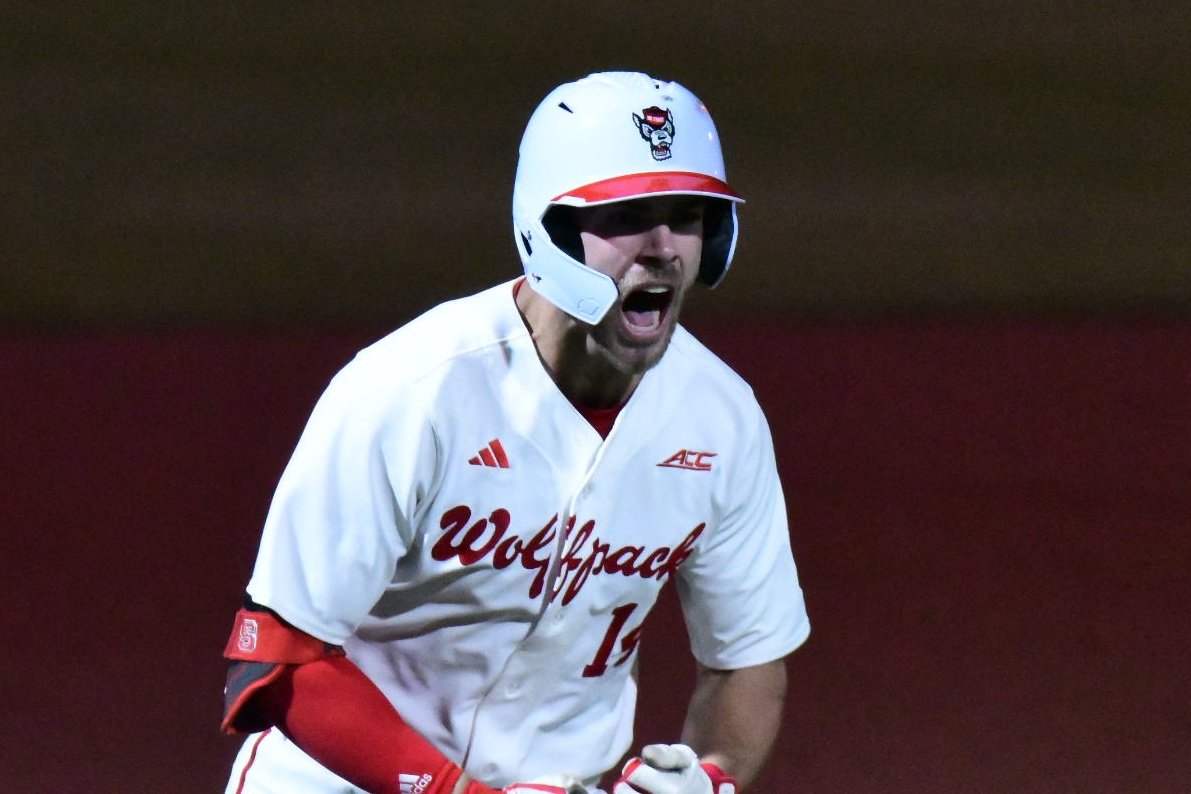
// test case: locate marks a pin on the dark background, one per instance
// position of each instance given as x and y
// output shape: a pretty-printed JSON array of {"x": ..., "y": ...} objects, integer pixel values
[{"x": 963, "y": 293}]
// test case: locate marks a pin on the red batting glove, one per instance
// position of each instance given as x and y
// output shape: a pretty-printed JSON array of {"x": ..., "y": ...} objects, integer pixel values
[
  {"x": 544, "y": 788},
  {"x": 551, "y": 784},
  {"x": 672, "y": 769}
]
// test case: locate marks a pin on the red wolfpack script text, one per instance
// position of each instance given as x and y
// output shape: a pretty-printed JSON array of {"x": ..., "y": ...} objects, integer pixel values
[{"x": 472, "y": 542}]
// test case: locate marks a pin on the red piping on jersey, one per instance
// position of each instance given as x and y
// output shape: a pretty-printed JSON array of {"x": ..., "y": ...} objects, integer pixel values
[{"x": 251, "y": 760}]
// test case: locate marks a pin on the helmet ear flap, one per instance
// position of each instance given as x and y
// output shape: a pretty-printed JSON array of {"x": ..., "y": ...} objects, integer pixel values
[{"x": 719, "y": 241}]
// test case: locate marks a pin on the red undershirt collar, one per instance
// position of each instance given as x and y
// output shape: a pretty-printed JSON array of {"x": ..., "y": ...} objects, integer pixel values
[{"x": 601, "y": 419}]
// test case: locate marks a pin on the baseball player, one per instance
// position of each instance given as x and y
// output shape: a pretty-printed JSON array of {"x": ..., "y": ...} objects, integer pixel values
[{"x": 484, "y": 505}]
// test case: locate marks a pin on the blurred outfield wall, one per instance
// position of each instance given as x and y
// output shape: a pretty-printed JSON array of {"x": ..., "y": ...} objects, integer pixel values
[{"x": 180, "y": 165}]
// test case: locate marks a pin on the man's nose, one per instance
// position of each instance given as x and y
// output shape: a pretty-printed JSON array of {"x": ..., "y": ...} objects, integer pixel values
[{"x": 659, "y": 246}]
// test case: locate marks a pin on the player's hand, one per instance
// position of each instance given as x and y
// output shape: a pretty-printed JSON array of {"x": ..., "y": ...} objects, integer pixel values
[{"x": 672, "y": 769}]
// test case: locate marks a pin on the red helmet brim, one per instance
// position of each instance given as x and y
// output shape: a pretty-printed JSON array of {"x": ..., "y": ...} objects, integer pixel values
[{"x": 651, "y": 183}]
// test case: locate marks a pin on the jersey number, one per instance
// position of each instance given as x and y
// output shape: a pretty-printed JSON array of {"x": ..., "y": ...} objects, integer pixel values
[{"x": 628, "y": 643}]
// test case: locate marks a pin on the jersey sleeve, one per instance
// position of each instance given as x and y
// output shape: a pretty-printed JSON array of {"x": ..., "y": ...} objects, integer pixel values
[
  {"x": 342, "y": 514},
  {"x": 739, "y": 590}
]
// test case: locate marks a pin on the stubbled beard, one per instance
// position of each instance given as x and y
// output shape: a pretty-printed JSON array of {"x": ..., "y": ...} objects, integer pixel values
[{"x": 625, "y": 357}]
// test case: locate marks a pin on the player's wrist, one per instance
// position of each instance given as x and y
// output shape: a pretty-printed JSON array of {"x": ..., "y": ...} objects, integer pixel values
[
  {"x": 721, "y": 781},
  {"x": 467, "y": 785}
]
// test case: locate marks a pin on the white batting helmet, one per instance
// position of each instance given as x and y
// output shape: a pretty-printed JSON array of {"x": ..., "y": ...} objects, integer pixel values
[{"x": 608, "y": 137}]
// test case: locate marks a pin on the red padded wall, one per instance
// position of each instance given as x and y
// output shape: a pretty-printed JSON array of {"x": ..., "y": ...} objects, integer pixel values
[{"x": 991, "y": 520}]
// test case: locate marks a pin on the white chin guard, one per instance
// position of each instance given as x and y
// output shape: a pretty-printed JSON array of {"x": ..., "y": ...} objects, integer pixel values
[{"x": 581, "y": 292}]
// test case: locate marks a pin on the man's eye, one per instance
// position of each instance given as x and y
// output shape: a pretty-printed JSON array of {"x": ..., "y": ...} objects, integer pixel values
[{"x": 625, "y": 219}]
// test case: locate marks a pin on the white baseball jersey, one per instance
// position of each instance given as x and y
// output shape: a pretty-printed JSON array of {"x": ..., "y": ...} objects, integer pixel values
[{"x": 487, "y": 558}]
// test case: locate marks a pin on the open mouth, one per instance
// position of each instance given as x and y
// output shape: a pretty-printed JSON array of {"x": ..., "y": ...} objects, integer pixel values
[{"x": 644, "y": 309}]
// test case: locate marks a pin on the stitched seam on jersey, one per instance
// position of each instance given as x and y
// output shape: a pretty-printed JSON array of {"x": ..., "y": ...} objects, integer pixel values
[
  {"x": 433, "y": 368},
  {"x": 480, "y": 349}
]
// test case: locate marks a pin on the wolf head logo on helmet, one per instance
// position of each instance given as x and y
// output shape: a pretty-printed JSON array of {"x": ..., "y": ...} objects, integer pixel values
[{"x": 656, "y": 126}]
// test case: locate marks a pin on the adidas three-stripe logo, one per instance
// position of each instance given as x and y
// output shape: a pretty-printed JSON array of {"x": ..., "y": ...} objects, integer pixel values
[
  {"x": 492, "y": 455},
  {"x": 413, "y": 784}
]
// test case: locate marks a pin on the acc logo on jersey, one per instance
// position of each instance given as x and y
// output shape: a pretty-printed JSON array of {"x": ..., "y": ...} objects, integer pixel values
[
  {"x": 690, "y": 460},
  {"x": 246, "y": 635},
  {"x": 656, "y": 125}
]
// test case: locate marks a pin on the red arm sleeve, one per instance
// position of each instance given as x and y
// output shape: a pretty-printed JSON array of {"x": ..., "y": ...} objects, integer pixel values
[
  {"x": 330, "y": 709},
  {"x": 340, "y": 718}
]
